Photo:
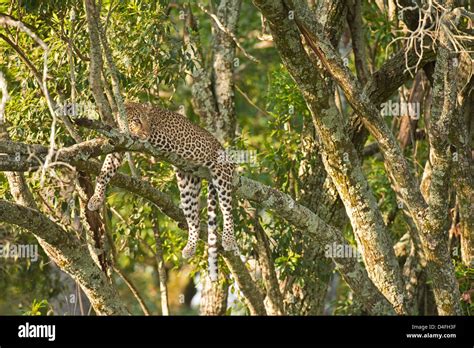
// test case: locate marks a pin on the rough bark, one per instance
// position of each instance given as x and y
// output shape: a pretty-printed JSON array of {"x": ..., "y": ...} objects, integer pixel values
[
  {"x": 223, "y": 127},
  {"x": 95, "y": 232},
  {"x": 321, "y": 196},
  {"x": 339, "y": 156},
  {"x": 354, "y": 19},
  {"x": 253, "y": 297},
  {"x": 301, "y": 217},
  {"x": 80, "y": 154},
  {"x": 96, "y": 65},
  {"x": 66, "y": 251},
  {"x": 309, "y": 300},
  {"x": 437, "y": 253},
  {"x": 463, "y": 160},
  {"x": 213, "y": 297},
  {"x": 274, "y": 298},
  {"x": 408, "y": 123},
  {"x": 121, "y": 116},
  {"x": 204, "y": 103},
  {"x": 396, "y": 166},
  {"x": 213, "y": 99},
  {"x": 316, "y": 189}
]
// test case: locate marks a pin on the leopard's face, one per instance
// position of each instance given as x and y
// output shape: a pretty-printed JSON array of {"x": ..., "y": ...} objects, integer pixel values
[{"x": 139, "y": 126}]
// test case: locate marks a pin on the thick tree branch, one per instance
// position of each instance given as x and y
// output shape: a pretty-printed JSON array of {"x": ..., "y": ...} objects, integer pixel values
[
  {"x": 283, "y": 204},
  {"x": 80, "y": 265},
  {"x": 310, "y": 299},
  {"x": 339, "y": 155},
  {"x": 204, "y": 102},
  {"x": 396, "y": 163},
  {"x": 67, "y": 253},
  {"x": 223, "y": 127},
  {"x": 96, "y": 65},
  {"x": 270, "y": 279},
  {"x": 354, "y": 19}
]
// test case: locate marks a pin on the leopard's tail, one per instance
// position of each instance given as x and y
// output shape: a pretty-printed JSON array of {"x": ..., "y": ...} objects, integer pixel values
[{"x": 212, "y": 231}]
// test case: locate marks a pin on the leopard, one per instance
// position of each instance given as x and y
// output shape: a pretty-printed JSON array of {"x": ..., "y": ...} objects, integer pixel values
[{"x": 173, "y": 133}]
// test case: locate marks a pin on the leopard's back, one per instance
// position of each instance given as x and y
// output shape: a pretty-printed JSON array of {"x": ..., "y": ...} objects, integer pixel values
[{"x": 173, "y": 132}]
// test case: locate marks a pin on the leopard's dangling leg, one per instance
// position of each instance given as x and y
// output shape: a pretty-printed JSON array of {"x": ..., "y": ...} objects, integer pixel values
[
  {"x": 109, "y": 168},
  {"x": 189, "y": 187},
  {"x": 222, "y": 180},
  {"x": 212, "y": 232}
]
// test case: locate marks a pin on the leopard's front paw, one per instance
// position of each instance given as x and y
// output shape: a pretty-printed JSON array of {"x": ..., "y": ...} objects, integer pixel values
[
  {"x": 188, "y": 251},
  {"x": 95, "y": 202}
]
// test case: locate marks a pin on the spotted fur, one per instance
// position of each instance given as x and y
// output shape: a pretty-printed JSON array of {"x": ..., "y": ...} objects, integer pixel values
[{"x": 172, "y": 132}]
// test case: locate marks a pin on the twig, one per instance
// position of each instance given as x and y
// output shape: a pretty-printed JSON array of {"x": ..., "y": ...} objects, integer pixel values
[
  {"x": 229, "y": 33},
  {"x": 133, "y": 289},
  {"x": 433, "y": 18},
  {"x": 23, "y": 57},
  {"x": 8, "y": 21},
  {"x": 246, "y": 97},
  {"x": 112, "y": 7},
  {"x": 42, "y": 81}
]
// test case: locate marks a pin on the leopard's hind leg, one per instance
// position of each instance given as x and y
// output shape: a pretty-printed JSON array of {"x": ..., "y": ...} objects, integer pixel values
[
  {"x": 222, "y": 174},
  {"x": 190, "y": 187}
]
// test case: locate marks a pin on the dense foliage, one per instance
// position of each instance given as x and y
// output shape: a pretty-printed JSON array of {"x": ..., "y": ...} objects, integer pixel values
[{"x": 147, "y": 39}]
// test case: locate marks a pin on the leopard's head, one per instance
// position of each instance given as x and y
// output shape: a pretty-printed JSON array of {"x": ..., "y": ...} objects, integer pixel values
[{"x": 138, "y": 123}]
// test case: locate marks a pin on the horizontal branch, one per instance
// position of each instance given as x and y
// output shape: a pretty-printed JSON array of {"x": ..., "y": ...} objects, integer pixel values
[{"x": 296, "y": 214}]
